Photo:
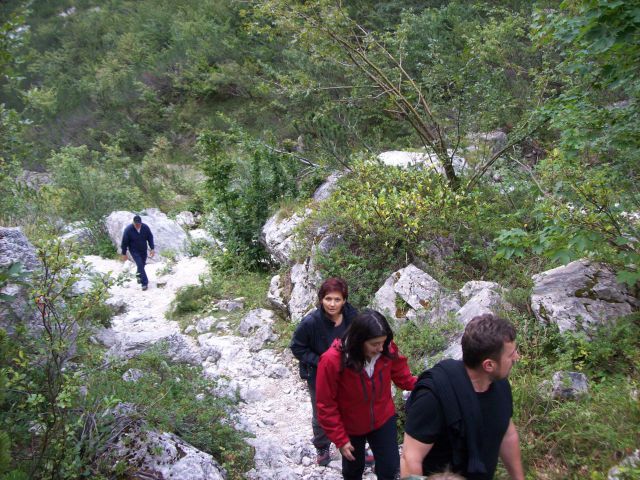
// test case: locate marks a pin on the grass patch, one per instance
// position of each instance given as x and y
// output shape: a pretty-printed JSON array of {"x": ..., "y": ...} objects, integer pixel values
[{"x": 177, "y": 398}]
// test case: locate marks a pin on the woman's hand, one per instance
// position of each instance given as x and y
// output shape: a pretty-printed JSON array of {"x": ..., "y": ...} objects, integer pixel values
[{"x": 346, "y": 450}]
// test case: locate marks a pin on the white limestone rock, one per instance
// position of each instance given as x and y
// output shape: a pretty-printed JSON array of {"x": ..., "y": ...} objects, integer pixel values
[
  {"x": 275, "y": 295},
  {"x": 410, "y": 293},
  {"x": 278, "y": 235},
  {"x": 161, "y": 455},
  {"x": 581, "y": 294},
  {"x": 305, "y": 281}
]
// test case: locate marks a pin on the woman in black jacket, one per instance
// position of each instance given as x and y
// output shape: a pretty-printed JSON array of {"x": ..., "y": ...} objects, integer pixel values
[{"x": 313, "y": 337}]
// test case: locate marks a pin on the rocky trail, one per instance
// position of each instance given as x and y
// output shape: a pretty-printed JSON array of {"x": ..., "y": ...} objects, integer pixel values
[{"x": 275, "y": 406}]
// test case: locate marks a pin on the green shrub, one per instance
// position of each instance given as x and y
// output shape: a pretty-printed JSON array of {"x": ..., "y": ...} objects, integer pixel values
[
  {"x": 190, "y": 299},
  {"x": 422, "y": 344}
]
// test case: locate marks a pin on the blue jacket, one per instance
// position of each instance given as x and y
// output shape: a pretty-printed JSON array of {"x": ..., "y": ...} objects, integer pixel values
[{"x": 136, "y": 242}]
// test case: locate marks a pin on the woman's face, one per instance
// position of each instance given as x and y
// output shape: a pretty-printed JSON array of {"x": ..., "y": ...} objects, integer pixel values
[
  {"x": 373, "y": 346},
  {"x": 332, "y": 303}
]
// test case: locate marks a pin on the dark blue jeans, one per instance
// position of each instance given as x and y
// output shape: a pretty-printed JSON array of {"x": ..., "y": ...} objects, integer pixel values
[
  {"x": 141, "y": 259},
  {"x": 384, "y": 445},
  {"x": 320, "y": 439}
]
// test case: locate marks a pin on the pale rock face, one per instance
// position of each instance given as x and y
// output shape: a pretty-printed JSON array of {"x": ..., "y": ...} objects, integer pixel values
[
  {"x": 163, "y": 455},
  {"x": 254, "y": 320},
  {"x": 278, "y": 235},
  {"x": 325, "y": 190},
  {"x": 410, "y": 293},
  {"x": 633, "y": 460},
  {"x": 258, "y": 325},
  {"x": 581, "y": 293},
  {"x": 402, "y": 159},
  {"x": 482, "y": 298},
  {"x": 78, "y": 233},
  {"x": 305, "y": 281},
  {"x": 185, "y": 219},
  {"x": 275, "y": 296},
  {"x": 167, "y": 234}
]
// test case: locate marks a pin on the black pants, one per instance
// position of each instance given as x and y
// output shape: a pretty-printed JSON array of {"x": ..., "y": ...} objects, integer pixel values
[
  {"x": 384, "y": 445},
  {"x": 141, "y": 259},
  {"x": 320, "y": 439}
]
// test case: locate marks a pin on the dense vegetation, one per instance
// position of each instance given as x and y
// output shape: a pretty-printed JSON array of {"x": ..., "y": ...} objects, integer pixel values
[{"x": 235, "y": 109}]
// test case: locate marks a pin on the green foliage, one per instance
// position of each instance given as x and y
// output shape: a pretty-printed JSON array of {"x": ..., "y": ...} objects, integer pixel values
[
  {"x": 219, "y": 285},
  {"x": 245, "y": 179},
  {"x": 42, "y": 386},
  {"x": 86, "y": 187},
  {"x": 12, "y": 274},
  {"x": 420, "y": 344},
  {"x": 388, "y": 217},
  {"x": 190, "y": 299}
]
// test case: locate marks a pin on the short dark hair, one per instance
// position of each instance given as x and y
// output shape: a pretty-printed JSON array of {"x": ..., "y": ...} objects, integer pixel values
[
  {"x": 333, "y": 284},
  {"x": 366, "y": 325},
  {"x": 137, "y": 219},
  {"x": 484, "y": 338}
]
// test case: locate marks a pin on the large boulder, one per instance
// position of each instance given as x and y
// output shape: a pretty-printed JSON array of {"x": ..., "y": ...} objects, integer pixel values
[
  {"x": 403, "y": 159},
  {"x": 411, "y": 293},
  {"x": 582, "y": 294},
  {"x": 566, "y": 386},
  {"x": 168, "y": 235},
  {"x": 16, "y": 248},
  {"x": 278, "y": 235},
  {"x": 325, "y": 190}
]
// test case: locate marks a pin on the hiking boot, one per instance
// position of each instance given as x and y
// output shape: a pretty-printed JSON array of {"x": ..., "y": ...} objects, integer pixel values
[
  {"x": 369, "y": 461},
  {"x": 323, "y": 456},
  {"x": 144, "y": 287}
]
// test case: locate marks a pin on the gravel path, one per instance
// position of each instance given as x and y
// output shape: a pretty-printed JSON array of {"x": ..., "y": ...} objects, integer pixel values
[{"x": 275, "y": 406}]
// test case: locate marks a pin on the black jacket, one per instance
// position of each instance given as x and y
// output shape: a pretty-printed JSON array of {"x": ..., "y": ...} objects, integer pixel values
[
  {"x": 449, "y": 382},
  {"x": 136, "y": 242},
  {"x": 314, "y": 335}
]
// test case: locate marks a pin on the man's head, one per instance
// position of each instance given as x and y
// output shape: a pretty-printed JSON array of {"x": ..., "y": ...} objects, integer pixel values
[
  {"x": 489, "y": 343},
  {"x": 137, "y": 221}
]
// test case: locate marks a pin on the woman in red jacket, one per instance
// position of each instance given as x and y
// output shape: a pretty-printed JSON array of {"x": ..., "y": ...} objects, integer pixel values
[{"x": 353, "y": 395}]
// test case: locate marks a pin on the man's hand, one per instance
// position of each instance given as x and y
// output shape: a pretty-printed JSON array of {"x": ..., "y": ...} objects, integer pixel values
[
  {"x": 152, "y": 253},
  {"x": 346, "y": 451},
  {"x": 123, "y": 258}
]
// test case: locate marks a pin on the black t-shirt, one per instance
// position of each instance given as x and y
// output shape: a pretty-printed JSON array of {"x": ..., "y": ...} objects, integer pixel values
[{"x": 425, "y": 422}]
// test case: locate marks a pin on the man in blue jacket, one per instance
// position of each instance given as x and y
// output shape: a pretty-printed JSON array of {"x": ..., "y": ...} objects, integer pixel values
[{"x": 135, "y": 238}]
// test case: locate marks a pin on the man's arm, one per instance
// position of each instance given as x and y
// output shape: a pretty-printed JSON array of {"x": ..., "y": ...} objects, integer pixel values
[
  {"x": 413, "y": 452},
  {"x": 510, "y": 452}
]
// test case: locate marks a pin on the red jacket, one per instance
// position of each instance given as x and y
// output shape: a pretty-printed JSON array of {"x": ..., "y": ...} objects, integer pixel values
[{"x": 352, "y": 403}]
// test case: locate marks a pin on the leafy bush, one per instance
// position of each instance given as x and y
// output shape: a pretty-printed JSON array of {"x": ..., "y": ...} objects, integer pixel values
[{"x": 245, "y": 179}]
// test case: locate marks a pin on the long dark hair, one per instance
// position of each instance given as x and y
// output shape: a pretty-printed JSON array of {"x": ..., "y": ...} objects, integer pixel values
[{"x": 366, "y": 325}]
